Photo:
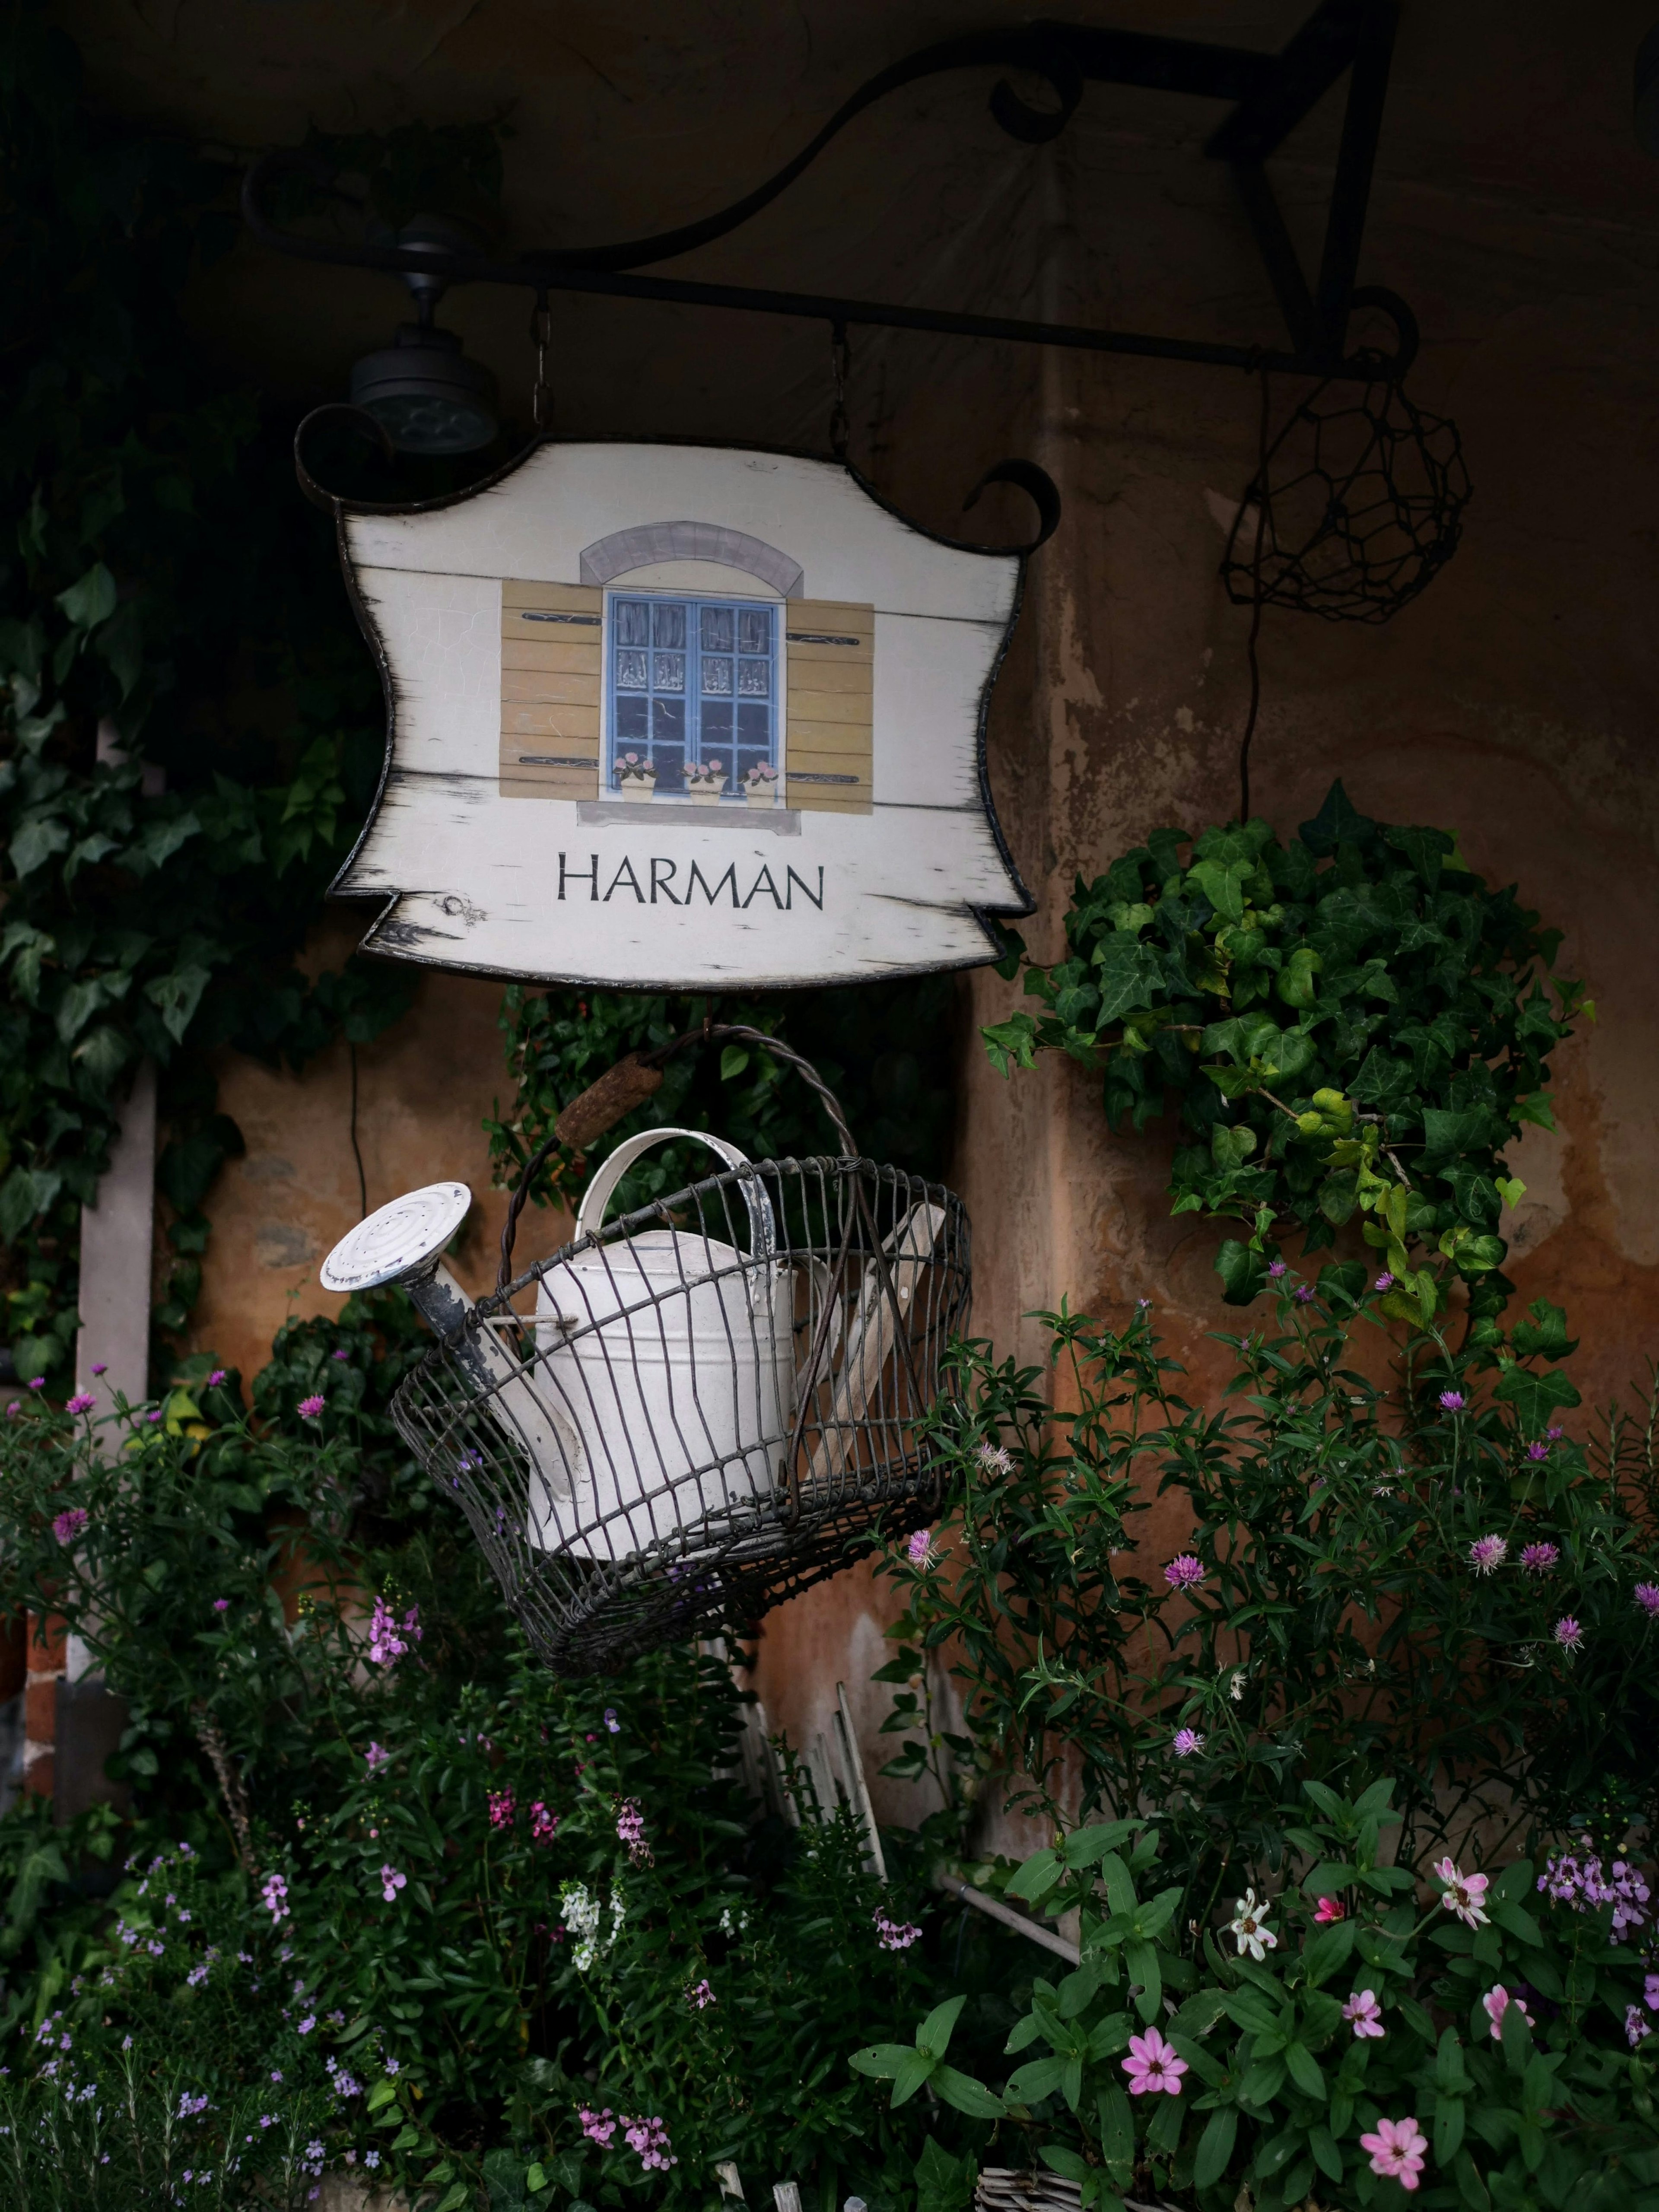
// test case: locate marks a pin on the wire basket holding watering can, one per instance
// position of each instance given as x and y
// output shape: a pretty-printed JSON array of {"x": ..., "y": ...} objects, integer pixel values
[{"x": 695, "y": 1409}]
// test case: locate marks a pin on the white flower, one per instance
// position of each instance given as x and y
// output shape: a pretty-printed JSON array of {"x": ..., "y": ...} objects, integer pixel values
[
  {"x": 1247, "y": 1926},
  {"x": 1237, "y": 1691}
]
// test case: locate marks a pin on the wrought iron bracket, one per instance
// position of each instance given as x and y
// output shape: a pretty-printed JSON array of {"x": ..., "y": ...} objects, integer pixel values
[{"x": 1269, "y": 93}]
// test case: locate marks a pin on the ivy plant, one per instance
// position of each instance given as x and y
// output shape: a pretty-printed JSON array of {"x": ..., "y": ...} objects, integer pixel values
[{"x": 1351, "y": 1024}]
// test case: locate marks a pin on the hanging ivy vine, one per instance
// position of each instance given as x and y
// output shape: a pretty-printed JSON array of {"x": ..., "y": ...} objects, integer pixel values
[{"x": 1351, "y": 1024}]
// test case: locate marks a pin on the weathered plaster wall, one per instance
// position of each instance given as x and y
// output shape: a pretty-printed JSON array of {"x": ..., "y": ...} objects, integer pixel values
[{"x": 1514, "y": 702}]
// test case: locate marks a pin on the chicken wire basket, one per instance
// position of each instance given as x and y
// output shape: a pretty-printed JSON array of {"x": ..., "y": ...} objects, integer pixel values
[{"x": 692, "y": 1411}]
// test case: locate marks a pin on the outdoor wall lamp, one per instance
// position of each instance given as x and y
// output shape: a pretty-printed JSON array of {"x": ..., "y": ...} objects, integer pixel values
[{"x": 421, "y": 389}]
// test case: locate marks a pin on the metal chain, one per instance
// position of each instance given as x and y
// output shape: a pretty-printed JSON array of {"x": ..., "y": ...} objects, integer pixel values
[
  {"x": 541, "y": 397},
  {"x": 840, "y": 363}
]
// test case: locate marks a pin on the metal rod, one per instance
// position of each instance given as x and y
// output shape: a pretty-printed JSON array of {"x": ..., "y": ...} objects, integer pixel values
[
  {"x": 956, "y": 1887},
  {"x": 1356, "y": 160}
]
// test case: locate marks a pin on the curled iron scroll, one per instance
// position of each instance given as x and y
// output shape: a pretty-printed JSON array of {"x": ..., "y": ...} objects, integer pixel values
[
  {"x": 360, "y": 421},
  {"x": 1039, "y": 488}
]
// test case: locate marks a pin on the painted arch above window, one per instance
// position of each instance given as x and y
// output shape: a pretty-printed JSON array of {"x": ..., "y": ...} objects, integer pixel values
[{"x": 646, "y": 542}]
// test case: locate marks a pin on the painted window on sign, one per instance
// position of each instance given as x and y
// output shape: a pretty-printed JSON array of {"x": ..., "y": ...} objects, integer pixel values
[{"x": 692, "y": 688}]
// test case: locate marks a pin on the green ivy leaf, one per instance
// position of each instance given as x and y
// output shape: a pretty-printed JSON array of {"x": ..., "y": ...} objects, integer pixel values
[
  {"x": 91, "y": 600},
  {"x": 1534, "y": 1397}
]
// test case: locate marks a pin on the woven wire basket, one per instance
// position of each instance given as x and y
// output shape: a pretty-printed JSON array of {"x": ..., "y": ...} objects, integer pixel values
[{"x": 702, "y": 1408}]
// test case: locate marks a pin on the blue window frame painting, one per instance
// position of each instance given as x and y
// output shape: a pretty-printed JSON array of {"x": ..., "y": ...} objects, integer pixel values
[{"x": 693, "y": 680}]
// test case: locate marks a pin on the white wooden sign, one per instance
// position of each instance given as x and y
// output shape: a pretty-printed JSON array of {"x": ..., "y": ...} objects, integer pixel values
[{"x": 680, "y": 717}]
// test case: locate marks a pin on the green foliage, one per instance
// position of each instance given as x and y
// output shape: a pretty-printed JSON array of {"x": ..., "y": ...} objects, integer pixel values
[
  {"x": 1286, "y": 2035},
  {"x": 163, "y": 589},
  {"x": 885, "y": 1049},
  {"x": 1332, "y": 1617},
  {"x": 1350, "y": 1024}
]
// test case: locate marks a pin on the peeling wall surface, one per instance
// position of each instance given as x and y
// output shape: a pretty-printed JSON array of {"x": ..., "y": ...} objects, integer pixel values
[{"x": 1514, "y": 702}]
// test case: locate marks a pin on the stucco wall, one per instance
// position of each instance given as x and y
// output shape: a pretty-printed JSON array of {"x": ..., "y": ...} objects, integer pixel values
[{"x": 1514, "y": 702}]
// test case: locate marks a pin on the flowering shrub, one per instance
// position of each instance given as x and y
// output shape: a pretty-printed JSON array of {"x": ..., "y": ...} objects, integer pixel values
[
  {"x": 1430, "y": 1583},
  {"x": 1443, "y": 2035}
]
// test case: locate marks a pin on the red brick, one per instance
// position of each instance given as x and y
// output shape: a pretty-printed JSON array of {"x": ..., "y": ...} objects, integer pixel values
[{"x": 40, "y": 1710}]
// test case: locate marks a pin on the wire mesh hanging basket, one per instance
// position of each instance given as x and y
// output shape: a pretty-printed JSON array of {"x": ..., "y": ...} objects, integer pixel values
[{"x": 692, "y": 1411}]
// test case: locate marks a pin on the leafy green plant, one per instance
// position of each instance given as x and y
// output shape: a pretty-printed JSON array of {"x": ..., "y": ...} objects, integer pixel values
[
  {"x": 1351, "y": 1024},
  {"x": 1429, "y": 1582},
  {"x": 1344, "y": 2034}
]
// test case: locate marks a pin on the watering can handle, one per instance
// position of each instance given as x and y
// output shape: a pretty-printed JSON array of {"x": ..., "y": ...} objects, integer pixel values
[{"x": 591, "y": 1216}]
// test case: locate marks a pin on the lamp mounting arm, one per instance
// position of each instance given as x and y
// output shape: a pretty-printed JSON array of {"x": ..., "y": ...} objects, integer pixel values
[{"x": 1269, "y": 94}]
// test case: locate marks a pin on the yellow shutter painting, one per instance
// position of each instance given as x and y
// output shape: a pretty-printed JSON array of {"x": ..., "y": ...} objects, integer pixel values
[
  {"x": 552, "y": 660},
  {"x": 830, "y": 706}
]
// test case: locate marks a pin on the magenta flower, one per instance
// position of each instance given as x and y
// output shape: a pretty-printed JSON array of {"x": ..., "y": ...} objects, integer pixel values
[
  {"x": 1185, "y": 1742},
  {"x": 275, "y": 1897},
  {"x": 82, "y": 1402},
  {"x": 1541, "y": 1558},
  {"x": 920, "y": 1549},
  {"x": 1568, "y": 1634},
  {"x": 1152, "y": 2065},
  {"x": 1553, "y": 1433},
  {"x": 503, "y": 1807},
  {"x": 1636, "y": 2028},
  {"x": 389, "y": 1639},
  {"x": 390, "y": 1882},
  {"x": 1454, "y": 1401},
  {"x": 1363, "y": 2013},
  {"x": 1330, "y": 1909},
  {"x": 1303, "y": 1294},
  {"x": 1397, "y": 2149},
  {"x": 1184, "y": 1572},
  {"x": 1647, "y": 1596},
  {"x": 701, "y": 1995},
  {"x": 222, "y": 1605},
  {"x": 1488, "y": 1553},
  {"x": 100, "y": 1367},
  {"x": 69, "y": 1523},
  {"x": 1464, "y": 1894},
  {"x": 376, "y": 1756},
  {"x": 544, "y": 1824},
  {"x": 1538, "y": 1449},
  {"x": 1276, "y": 1270},
  {"x": 310, "y": 1407},
  {"x": 895, "y": 1935},
  {"x": 153, "y": 1415},
  {"x": 39, "y": 1384},
  {"x": 1496, "y": 2002},
  {"x": 217, "y": 1378},
  {"x": 1384, "y": 1281},
  {"x": 597, "y": 2127},
  {"x": 648, "y": 2138},
  {"x": 339, "y": 1353}
]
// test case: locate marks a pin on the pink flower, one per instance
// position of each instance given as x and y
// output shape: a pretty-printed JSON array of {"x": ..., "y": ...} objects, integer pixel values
[
  {"x": 502, "y": 1806},
  {"x": 544, "y": 1824},
  {"x": 376, "y": 1756},
  {"x": 597, "y": 2127},
  {"x": 1568, "y": 1634},
  {"x": 69, "y": 1523},
  {"x": 895, "y": 1935},
  {"x": 1647, "y": 1596},
  {"x": 1497, "y": 2001},
  {"x": 702, "y": 1997},
  {"x": 1636, "y": 2028},
  {"x": 275, "y": 1897},
  {"x": 630, "y": 1830},
  {"x": 222, "y": 1605},
  {"x": 1185, "y": 1742},
  {"x": 1464, "y": 1894},
  {"x": 1276, "y": 1270},
  {"x": 390, "y": 1882},
  {"x": 1397, "y": 2148},
  {"x": 920, "y": 1549},
  {"x": 312, "y": 1407},
  {"x": 1184, "y": 1572},
  {"x": 1364, "y": 2015},
  {"x": 1488, "y": 1553},
  {"x": 1454, "y": 1401},
  {"x": 388, "y": 1639},
  {"x": 100, "y": 1367},
  {"x": 1384, "y": 1281},
  {"x": 1541, "y": 1558},
  {"x": 214, "y": 1380},
  {"x": 1152, "y": 2065},
  {"x": 39, "y": 1384},
  {"x": 82, "y": 1402},
  {"x": 649, "y": 2137},
  {"x": 1330, "y": 1908}
]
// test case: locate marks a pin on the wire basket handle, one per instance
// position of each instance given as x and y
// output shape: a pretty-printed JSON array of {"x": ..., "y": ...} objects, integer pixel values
[{"x": 630, "y": 1084}]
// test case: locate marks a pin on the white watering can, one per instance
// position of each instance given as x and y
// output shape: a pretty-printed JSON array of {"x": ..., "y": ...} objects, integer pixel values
[{"x": 670, "y": 1354}]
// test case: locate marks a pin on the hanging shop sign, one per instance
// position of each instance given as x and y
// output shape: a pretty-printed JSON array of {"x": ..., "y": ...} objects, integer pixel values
[{"x": 680, "y": 716}]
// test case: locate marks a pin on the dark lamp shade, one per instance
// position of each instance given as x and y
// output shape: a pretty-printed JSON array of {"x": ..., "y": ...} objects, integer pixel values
[{"x": 429, "y": 397}]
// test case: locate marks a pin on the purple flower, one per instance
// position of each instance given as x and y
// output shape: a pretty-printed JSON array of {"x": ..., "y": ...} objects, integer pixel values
[
  {"x": 82, "y": 1402},
  {"x": 100, "y": 1367},
  {"x": 1647, "y": 1596},
  {"x": 544, "y": 1824},
  {"x": 1552, "y": 1434},
  {"x": 217, "y": 1377},
  {"x": 702, "y": 1997},
  {"x": 376, "y": 1756},
  {"x": 39, "y": 1384},
  {"x": 1275, "y": 1271},
  {"x": 1384, "y": 1281},
  {"x": 1635, "y": 2026},
  {"x": 388, "y": 1638},
  {"x": 1185, "y": 1742},
  {"x": 895, "y": 1935},
  {"x": 502, "y": 1806},
  {"x": 1453, "y": 1401},
  {"x": 1303, "y": 1294},
  {"x": 597, "y": 2127},
  {"x": 275, "y": 1897},
  {"x": 1184, "y": 1572},
  {"x": 1541, "y": 1558},
  {"x": 69, "y": 1523},
  {"x": 340, "y": 1353},
  {"x": 390, "y": 1882},
  {"x": 1488, "y": 1553},
  {"x": 1568, "y": 1634},
  {"x": 630, "y": 1830},
  {"x": 611, "y": 1721},
  {"x": 310, "y": 1407},
  {"x": 153, "y": 1415},
  {"x": 304, "y": 2026},
  {"x": 1538, "y": 1449},
  {"x": 920, "y": 1549},
  {"x": 222, "y": 1605}
]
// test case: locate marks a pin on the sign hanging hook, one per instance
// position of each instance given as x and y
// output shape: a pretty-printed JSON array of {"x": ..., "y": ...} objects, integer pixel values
[
  {"x": 541, "y": 397},
  {"x": 841, "y": 364}
]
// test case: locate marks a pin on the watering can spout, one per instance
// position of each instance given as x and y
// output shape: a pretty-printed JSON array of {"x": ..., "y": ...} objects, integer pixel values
[{"x": 403, "y": 1243}]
